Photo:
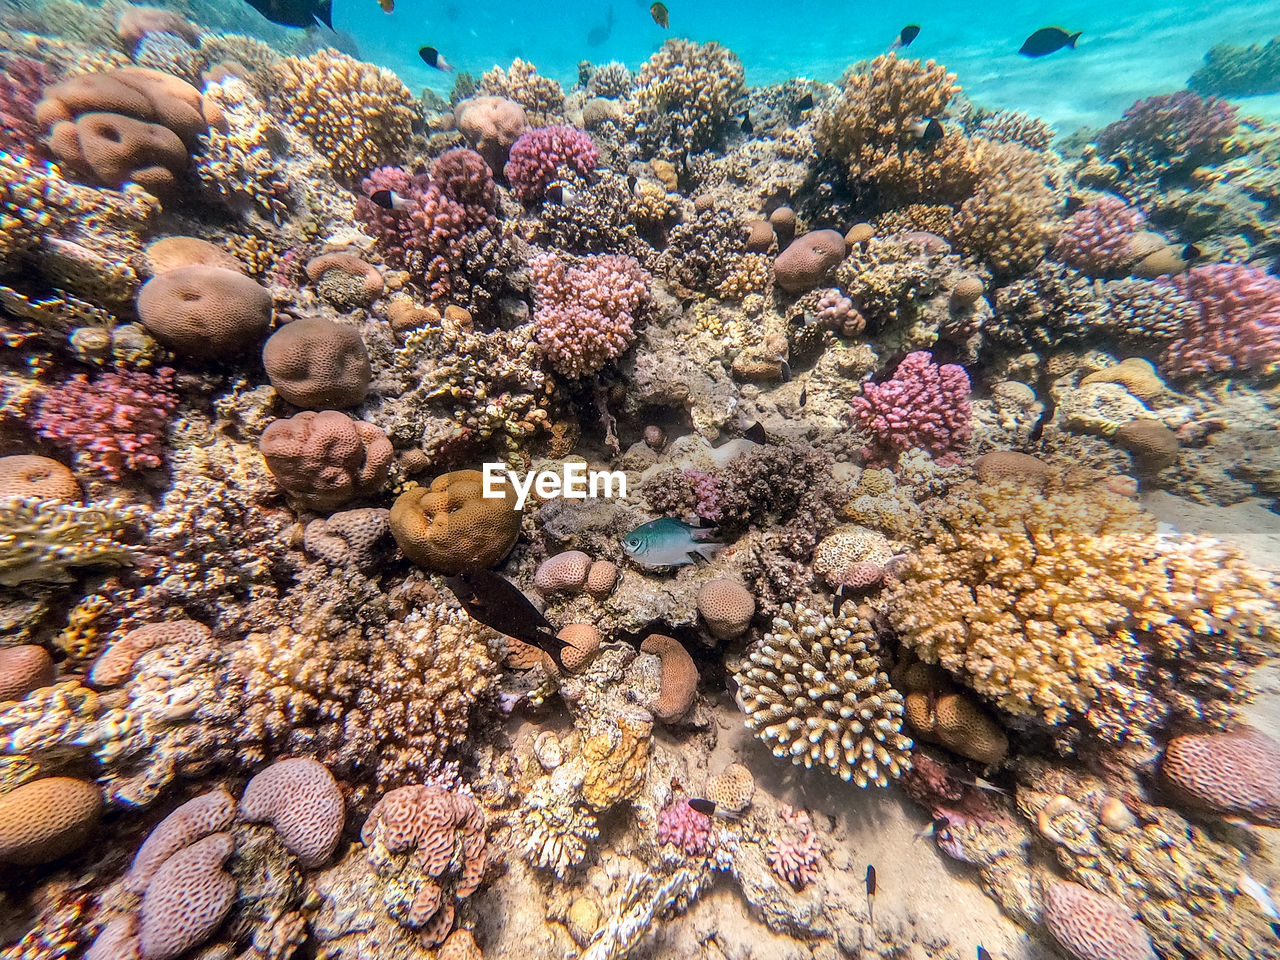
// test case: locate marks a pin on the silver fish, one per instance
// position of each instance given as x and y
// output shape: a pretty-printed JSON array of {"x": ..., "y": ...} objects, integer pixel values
[{"x": 667, "y": 542}]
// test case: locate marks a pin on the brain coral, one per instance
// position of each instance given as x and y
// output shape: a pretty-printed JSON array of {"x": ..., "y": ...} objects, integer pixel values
[
  {"x": 187, "y": 899},
  {"x": 687, "y": 93},
  {"x": 815, "y": 690},
  {"x": 679, "y": 677},
  {"x": 430, "y": 845},
  {"x": 1065, "y": 605},
  {"x": 126, "y": 125},
  {"x": 198, "y": 817},
  {"x": 302, "y": 802},
  {"x": 1236, "y": 773},
  {"x": 322, "y": 460},
  {"x": 115, "y": 664},
  {"x": 869, "y": 129},
  {"x": 358, "y": 115},
  {"x": 24, "y": 668},
  {"x": 727, "y": 607},
  {"x": 351, "y": 537},
  {"x": 450, "y": 526},
  {"x": 205, "y": 312},
  {"x": 42, "y": 820},
  {"x": 317, "y": 364},
  {"x": 585, "y": 314},
  {"x": 1093, "y": 926},
  {"x": 24, "y": 475}
]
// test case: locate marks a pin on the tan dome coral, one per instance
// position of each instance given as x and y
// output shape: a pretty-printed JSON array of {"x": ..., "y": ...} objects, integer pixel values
[
  {"x": 732, "y": 789},
  {"x": 807, "y": 260},
  {"x": 953, "y": 719},
  {"x": 45, "y": 819},
  {"x": 358, "y": 115},
  {"x": 450, "y": 526},
  {"x": 170, "y": 253},
  {"x": 727, "y": 607},
  {"x": 1236, "y": 773},
  {"x": 563, "y": 573},
  {"x": 25, "y": 475},
  {"x": 318, "y": 364},
  {"x": 1093, "y": 926},
  {"x": 205, "y": 312},
  {"x": 24, "y": 668},
  {"x": 490, "y": 125},
  {"x": 679, "y": 677},
  {"x": 325, "y": 459}
]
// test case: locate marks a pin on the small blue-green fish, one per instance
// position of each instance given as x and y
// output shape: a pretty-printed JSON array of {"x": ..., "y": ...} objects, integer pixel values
[{"x": 667, "y": 542}]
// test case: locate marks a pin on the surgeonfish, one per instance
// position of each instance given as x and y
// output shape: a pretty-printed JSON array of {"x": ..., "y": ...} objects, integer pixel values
[
  {"x": 498, "y": 603},
  {"x": 1048, "y": 40},
  {"x": 905, "y": 36},
  {"x": 295, "y": 13},
  {"x": 668, "y": 542}
]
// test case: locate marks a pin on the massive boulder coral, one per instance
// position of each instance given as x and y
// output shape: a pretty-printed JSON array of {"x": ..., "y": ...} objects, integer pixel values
[
  {"x": 490, "y": 125},
  {"x": 686, "y": 94},
  {"x": 451, "y": 526},
  {"x": 358, "y": 115},
  {"x": 585, "y": 315},
  {"x": 869, "y": 129},
  {"x": 429, "y": 845},
  {"x": 1093, "y": 926},
  {"x": 1067, "y": 607},
  {"x": 47, "y": 818},
  {"x": 317, "y": 364},
  {"x": 131, "y": 124},
  {"x": 1236, "y": 773},
  {"x": 323, "y": 460},
  {"x": 205, "y": 312},
  {"x": 815, "y": 690}
]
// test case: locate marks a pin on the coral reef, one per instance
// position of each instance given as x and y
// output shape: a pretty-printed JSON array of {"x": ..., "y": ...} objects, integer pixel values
[{"x": 923, "y": 406}]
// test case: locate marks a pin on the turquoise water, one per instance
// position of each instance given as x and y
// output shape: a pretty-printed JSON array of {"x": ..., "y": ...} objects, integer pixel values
[{"x": 1128, "y": 51}]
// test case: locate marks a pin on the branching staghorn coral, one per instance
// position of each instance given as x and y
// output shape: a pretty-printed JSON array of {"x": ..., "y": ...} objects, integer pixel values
[
  {"x": 869, "y": 129},
  {"x": 358, "y": 115},
  {"x": 1067, "y": 607},
  {"x": 816, "y": 691}
]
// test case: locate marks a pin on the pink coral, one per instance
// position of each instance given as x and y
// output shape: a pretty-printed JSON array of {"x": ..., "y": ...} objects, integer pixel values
[
  {"x": 1098, "y": 237},
  {"x": 836, "y": 312},
  {"x": 114, "y": 424},
  {"x": 1236, "y": 772},
  {"x": 707, "y": 491},
  {"x": 22, "y": 81},
  {"x": 795, "y": 854},
  {"x": 428, "y": 239},
  {"x": 1237, "y": 324},
  {"x": 923, "y": 406},
  {"x": 541, "y": 155},
  {"x": 585, "y": 314},
  {"x": 680, "y": 824},
  {"x": 1179, "y": 129}
]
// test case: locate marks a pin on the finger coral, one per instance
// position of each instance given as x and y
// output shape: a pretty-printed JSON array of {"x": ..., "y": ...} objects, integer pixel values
[
  {"x": 358, "y": 115},
  {"x": 1235, "y": 325},
  {"x": 1068, "y": 607},
  {"x": 542, "y": 97},
  {"x": 1098, "y": 238},
  {"x": 1172, "y": 130},
  {"x": 687, "y": 93},
  {"x": 585, "y": 314},
  {"x": 868, "y": 128},
  {"x": 815, "y": 690},
  {"x": 681, "y": 825},
  {"x": 923, "y": 406}
]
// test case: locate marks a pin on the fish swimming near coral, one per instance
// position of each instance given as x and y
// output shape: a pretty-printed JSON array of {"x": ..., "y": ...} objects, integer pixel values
[
  {"x": 497, "y": 603},
  {"x": 295, "y": 13},
  {"x": 667, "y": 542},
  {"x": 905, "y": 36},
  {"x": 927, "y": 130},
  {"x": 705, "y": 807},
  {"x": 434, "y": 58},
  {"x": 390, "y": 200},
  {"x": 805, "y": 102},
  {"x": 982, "y": 953},
  {"x": 562, "y": 194},
  {"x": 871, "y": 893},
  {"x": 601, "y": 31},
  {"x": 748, "y": 128},
  {"x": 931, "y": 829},
  {"x": 1072, "y": 204},
  {"x": 1048, "y": 40},
  {"x": 660, "y": 16}
]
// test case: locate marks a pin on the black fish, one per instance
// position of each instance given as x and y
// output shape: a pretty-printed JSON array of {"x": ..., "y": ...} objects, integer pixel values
[
  {"x": 805, "y": 102},
  {"x": 295, "y": 13},
  {"x": 1072, "y": 205},
  {"x": 433, "y": 58},
  {"x": 982, "y": 953},
  {"x": 747, "y": 126},
  {"x": 600, "y": 32},
  {"x": 496, "y": 602},
  {"x": 804, "y": 395},
  {"x": 786, "y": 372},
  {"x": 390, "y": 200},
  {"x": 704, "y": 807},
  {"x": 837, "y": 601},
  {"x": 1275, "y": 928},
  {"x": 928, "y": 130},
  {"x": 908, "y": 33},
  {"x": 755, "y": 433},
  {"x": 871, "y": 893},
  {"x": 561, "y": 194},
  {"x": 1048, "y": 40},
  {"x": 1191, "y": 252},
  {"x": 1121, "y": 164}
]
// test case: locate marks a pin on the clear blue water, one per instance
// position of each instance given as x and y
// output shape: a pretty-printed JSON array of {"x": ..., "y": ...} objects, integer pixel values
[{"x": 1129, "y": 50}]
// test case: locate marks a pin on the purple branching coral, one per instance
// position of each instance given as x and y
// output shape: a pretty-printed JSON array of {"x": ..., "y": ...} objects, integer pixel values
[
  {"x": 429, "y": 238},
  {"x": 585, "y": 314},
  {"x": 1174, "y": 129},
  {"x": 680, "y": 824},
  {"x": 22, "y": 81},
  {"x": 544, "y": 154},
  {"x": 923, "y": 406},
  {"x": 1237, "y": 323},
  {"x": 707, "y": 491},
  {"x": 1097, "y": 241},
  {"x": 795, "y": 854},
  {"x": 114, "y": 424}
]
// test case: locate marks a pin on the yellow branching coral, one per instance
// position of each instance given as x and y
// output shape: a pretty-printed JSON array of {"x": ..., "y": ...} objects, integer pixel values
[
  {"x": 686, "y": 92},
  {"x": 44, "y": 539},
  {"x": 541, "y": 97},
  {"x": 358, "y": 115},
  {"x": 869, "y": 128},
  {"x": 238, "y": 164},
  {"x": 749, "y": 274},
  {"x": 815, "y": 690},
  {"x": 1009, "y": 221},
  {"x": 1070, "y": 607}
]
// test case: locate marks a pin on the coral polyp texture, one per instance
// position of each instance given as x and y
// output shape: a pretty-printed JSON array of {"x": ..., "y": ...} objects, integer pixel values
[
  {"x": 815, "y": 690},
  {"x": 1235, "y": 325},
  {"x": 686, "y": 94},
  {"x": 1068, "y": 607}
]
